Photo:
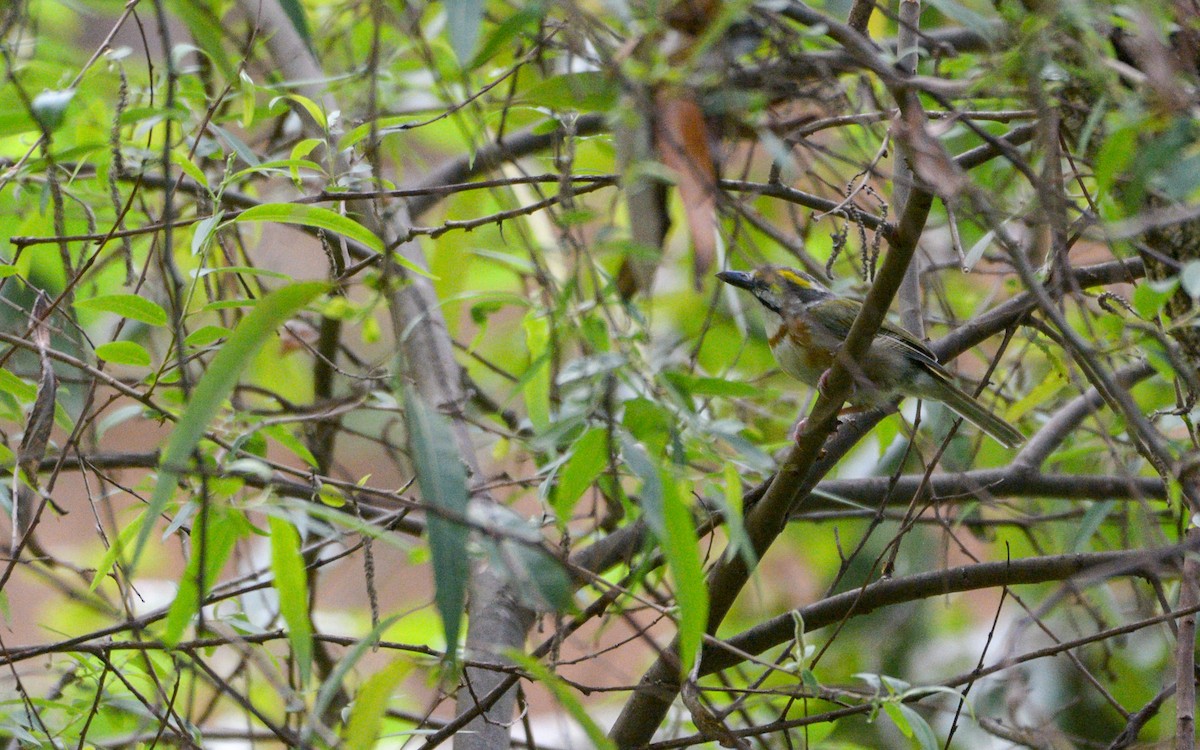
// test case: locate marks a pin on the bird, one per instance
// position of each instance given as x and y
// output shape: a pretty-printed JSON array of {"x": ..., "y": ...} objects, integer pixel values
[{"x": 812, "y": 322}]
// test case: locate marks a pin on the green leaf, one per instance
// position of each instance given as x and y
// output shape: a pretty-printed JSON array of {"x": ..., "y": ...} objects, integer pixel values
[
  {"x": 227, "y": 304},
  {"x": 312, "y": 108},
  {"x": 333, "y": 683},
  {"x": 124, "y": 353},
  {"x": 245, "y": 270},
  {"x": 565, "y": 698},
  {"x": 651, "y": 493},
  {"x": 536, "y": 386},
  {"x": 291, "y": 581},
  {"x": 331, "y": 496},
  {"x": 206, "y": 28},
  {"x": 206, "y": 335},
  {"x": 705, "y": 386},
  {"x": 379, "y": 127},
  {"x": 312, "y": 216},
  {"x": 218, "y": 381},
  {"x": 132, "y": 306},
  {"x": 892, "y": 709},
  {"x": 50, "y": 108},
  {"x": 516, "y": 555},
  {"x": 1041, "y": 393},
  {"x": 1156, "y": 356},
  {"x": 21, "y": 389},
  {"x": 283, "y": 435},
  {"x": 739, "y": 540},
  {"x": 584, "y": 92},
  {"x": 117, "y": 550},
  {"x": 6, "y": 270},
  {"x": 223, "y": 530},
  {"x": 681, "y": 547},
  {"x": 249, "y": 99},
  {"x": 16, "y": 122},
  {"x": 277, "y": 166},
  {"x": 370, "y": 704},
  {"x": 1189, "y": 277},
  {"x": 588, "y": 459},
  {"x": 1115, "y": 155},
  {"x": 527, "y": 18},
  {"x": 179, "y": 159},
  {"x": 978, "y": 249},
  {"x": 671, "y": 521},
  {"x": 463, "y": 19},
  {"x": 1091, "y": 521},
  {"x": 204, "y": 231},
  {"x": 919, "y": 728},
  {"x": 239, "y": 147},
  {"x": 296, "y": 158},
  {"x": 980, "y": 24},
  {"x": 443, "y": 482},
  {"x": 649, "y": 422},
  {"x": 1150, "y": 296},
  {"x": 547, "y": 580},
  {"x": 294, "y": 10}
]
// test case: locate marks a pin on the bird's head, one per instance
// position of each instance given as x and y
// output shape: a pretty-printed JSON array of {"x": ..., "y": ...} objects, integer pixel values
[{"x": 776, "y": 286}]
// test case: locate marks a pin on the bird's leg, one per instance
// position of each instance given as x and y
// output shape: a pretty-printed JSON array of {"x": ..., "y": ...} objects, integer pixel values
[
  {"x": 850, "y": 408},
  {"x": 802, "y": 425},
  {"x": 823, "y": 388},
  {"x": 798, "y": 428},
  {"x": 823, "y": 382}
]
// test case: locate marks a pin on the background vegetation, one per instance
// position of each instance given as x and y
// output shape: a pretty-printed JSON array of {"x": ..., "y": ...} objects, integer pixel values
[{"x": 365, "y": 380}]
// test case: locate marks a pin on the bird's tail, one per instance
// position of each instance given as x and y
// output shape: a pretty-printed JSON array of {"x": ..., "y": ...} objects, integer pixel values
[{"x": 977, "y": 414}]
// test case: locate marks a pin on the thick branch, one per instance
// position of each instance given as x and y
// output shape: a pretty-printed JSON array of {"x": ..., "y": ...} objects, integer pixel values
[
  {"x": 887, "y": 592},
  {"x": 659, "y": 686},
  {"x": 1185, "y": 652},
  {"x": 497, "y": 622}
]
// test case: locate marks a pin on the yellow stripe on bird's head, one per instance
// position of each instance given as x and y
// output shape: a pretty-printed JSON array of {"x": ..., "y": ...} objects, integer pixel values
[{"x": 775, "y": 286}]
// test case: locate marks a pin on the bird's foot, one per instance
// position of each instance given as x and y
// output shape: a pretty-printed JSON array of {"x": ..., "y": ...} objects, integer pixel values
[
  {"x": 797, "y": 429},
  {"x": 823, "y": 389},
  {"x": 823, "y": 383},
  {"x": 802, "y": 426}
]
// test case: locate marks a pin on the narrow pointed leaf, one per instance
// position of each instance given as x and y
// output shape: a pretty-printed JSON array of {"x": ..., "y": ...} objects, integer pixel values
[
  {"x": 366, "y": 719},
  {"x": 322, "y": 218},
  {"x": 682, "y": 549},
  {"x": 589, "y": 458},
  {"x": 536, "y": 386},
  {"x": 291, "y": 581},
  {"x": 118, "y": 550},
  {"x": 330, "y": 687},
  {"x": 222, "y": 533},
  {"x": 463, "y": 19},
  {"x": 443, "y": 482},
  {"x": 130, "y": 306},
  {"x": 668, "y": 517},
  {"x": 566, "y": 698},
  {"x": 124, "y": 353},
  {"x": 219, "y": 380},
  {"x": 312, "y": 216}
]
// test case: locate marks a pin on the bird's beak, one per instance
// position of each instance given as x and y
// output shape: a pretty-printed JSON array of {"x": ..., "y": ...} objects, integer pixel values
[{"x": 740, "y": 279}]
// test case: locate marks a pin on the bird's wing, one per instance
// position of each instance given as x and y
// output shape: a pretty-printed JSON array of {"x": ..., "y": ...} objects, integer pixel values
[
  {"x": 835, "y": 317},
  {"x": 838, "y": 317},
  {"x": 898, "y": 337}
]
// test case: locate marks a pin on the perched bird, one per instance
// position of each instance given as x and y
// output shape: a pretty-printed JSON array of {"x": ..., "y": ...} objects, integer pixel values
[{"x": 812, "y": 323}]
